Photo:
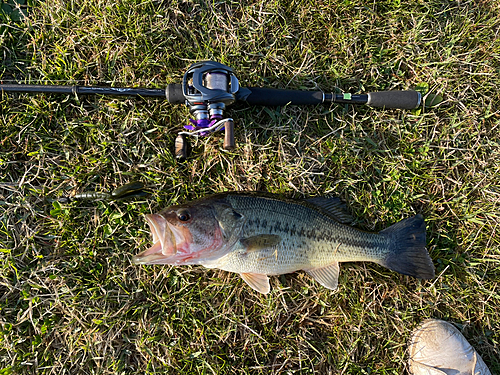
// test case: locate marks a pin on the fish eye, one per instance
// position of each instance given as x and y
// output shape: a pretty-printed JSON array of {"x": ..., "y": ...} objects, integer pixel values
[{"x": 183, "y": 215}]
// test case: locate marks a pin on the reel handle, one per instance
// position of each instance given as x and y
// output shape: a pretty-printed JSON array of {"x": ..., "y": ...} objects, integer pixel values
[{"x": 181, "y": 142}]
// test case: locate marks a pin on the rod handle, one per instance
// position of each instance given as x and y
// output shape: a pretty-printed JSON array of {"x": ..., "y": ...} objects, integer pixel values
[
  {"x": 278, "y": 97},
  {"x": 394, "y": 99}
]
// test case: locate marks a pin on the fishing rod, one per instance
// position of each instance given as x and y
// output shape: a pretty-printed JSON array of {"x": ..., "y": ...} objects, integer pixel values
[{"x": 208, "y": 87}]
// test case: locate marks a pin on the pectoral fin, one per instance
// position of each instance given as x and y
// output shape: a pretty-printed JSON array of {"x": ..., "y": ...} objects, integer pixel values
[
  {"x": 327, "y": 276},
  {"x": 257, "y": 281},
  {"x": 262, "y": 241}
]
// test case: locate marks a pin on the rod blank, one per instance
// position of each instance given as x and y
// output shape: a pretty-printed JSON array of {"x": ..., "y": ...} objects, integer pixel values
[{"x": 84, "y": 90}]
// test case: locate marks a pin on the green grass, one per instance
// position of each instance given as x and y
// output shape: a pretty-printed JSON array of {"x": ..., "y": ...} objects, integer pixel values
[{"x": 70, "y": 299}]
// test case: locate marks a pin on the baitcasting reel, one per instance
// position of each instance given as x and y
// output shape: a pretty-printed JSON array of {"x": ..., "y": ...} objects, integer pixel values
[{"x": 208, "y": 87}]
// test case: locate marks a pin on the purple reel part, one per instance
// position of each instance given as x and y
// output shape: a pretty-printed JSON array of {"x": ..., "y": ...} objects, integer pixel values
[{"x": 203, "y": 124}]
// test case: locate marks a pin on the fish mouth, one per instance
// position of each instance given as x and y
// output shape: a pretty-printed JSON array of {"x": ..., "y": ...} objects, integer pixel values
[{"x": 167, "y": 240}]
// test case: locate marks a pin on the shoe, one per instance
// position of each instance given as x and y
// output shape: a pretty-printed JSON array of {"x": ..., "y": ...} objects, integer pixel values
[{"x": 438, "y": 348}]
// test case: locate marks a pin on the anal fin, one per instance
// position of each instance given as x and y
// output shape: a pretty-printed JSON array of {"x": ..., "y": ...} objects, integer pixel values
[
  {"x": 327, "y": 276},
  {"x": 257, "y": 281}
]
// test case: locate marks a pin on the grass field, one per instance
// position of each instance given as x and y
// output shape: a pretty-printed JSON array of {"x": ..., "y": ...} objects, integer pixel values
[{"x": 71, "y": 301}]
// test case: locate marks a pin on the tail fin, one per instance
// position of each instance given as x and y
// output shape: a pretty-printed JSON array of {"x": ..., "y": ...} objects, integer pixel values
[{"x": 407, "y": 253}]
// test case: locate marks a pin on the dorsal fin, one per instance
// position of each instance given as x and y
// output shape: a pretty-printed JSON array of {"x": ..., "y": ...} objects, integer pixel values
[{"x": 334, "y": 206}]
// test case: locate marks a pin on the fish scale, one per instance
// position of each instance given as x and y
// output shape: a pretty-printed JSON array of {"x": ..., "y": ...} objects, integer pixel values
[
  {"x": 258, "y": 234},
  {"x": 317, "y": 239}
]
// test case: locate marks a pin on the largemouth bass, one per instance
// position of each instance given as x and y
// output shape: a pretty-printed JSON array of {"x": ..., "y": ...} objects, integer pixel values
[{"x": 256, "y": 235}]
